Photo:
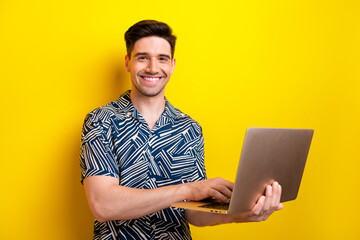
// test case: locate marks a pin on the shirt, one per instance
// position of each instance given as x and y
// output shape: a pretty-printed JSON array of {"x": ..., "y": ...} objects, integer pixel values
[{"x": 117, "y": 142}]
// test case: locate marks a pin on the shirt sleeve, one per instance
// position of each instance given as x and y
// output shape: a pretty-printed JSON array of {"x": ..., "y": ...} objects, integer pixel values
[
  {"x": 200, "y": 173},
  {"x": 96, "y": 155}
]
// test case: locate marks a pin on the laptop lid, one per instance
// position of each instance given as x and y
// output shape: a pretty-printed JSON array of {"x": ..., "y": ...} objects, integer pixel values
[{"x": 268, "y": 155}]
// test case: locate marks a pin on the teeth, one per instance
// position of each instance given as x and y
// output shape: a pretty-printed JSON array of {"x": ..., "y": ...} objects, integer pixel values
[{"x": 151, "y": 79}]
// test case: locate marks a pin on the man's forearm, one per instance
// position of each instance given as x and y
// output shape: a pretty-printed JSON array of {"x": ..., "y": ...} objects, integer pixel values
[{"x": 110, "y": 201}]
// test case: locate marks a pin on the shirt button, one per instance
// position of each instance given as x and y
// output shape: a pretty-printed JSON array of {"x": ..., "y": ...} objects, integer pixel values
[{"x": 153, "y": 227}]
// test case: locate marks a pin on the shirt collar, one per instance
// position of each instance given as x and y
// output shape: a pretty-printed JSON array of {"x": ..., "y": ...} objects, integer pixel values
[
  {"x": 172, "y": 112},
  {"x": 126, "y": 107}
]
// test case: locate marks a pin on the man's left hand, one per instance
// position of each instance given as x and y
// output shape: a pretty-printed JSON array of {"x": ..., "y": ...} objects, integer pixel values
[{"x": 264, "y": 207}]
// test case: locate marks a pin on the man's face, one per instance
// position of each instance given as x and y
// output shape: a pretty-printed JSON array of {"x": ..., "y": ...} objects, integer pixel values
[{"x": 150, "y": 66}]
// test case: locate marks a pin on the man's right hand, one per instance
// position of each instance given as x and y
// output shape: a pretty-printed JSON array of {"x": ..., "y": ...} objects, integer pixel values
[{"x": 218, "y": 188}]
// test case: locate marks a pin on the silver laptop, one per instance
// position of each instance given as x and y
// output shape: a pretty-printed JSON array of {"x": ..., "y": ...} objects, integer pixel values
[{"x": 268, "y": 155}]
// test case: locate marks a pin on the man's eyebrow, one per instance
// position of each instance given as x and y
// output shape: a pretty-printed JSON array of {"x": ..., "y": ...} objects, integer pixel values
[
  {"x": 164, "y": 55},
  {"x": 145, "y": 53},
  {"x": 141, "y": 53}
]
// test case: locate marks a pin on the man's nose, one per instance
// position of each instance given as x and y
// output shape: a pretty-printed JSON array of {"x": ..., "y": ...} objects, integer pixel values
[{"x": 152, "y": 67}]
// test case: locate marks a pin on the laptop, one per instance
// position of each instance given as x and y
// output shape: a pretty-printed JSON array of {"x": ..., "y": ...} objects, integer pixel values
[{"x": 268, "y": 155}]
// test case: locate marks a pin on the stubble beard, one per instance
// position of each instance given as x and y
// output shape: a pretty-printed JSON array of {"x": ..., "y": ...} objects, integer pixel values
[{"x": 146, "y": 93}]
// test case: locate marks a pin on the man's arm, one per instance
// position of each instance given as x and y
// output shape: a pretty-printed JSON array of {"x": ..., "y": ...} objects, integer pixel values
[
  {"x": 264, "y": 207},
  {"x": 110, "y": 201}
]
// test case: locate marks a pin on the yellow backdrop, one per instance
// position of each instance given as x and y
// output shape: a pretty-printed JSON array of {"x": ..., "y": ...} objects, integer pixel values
[{"x": 239, "y": 64}]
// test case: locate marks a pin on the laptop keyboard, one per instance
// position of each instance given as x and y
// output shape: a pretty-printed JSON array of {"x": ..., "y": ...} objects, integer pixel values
[{"x": 217, "y": 205}]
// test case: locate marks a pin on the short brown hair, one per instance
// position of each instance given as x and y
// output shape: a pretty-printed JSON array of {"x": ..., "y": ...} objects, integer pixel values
[{"x": 147, "y": 28}]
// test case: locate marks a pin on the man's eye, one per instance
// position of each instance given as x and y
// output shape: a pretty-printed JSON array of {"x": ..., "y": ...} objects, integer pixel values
[
  {"x": 163, "y": 59},
  {"x": 142, "y": 58}
]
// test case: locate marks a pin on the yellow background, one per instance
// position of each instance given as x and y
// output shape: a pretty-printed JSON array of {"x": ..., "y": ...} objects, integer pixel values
[{"x": 239, "y": 64}]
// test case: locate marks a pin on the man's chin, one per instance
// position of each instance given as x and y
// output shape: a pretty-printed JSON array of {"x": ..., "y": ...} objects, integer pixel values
[{"x": 150, "y": 92}]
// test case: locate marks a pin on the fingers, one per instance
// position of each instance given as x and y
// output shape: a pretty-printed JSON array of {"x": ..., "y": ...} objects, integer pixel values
[
  {"x": 267, "y": 204},
  {"x": 259, "y": 206},
  {"x": 218, "y": 188},
  {"x": 219, "y": 195},
  {"x": 229, "y": 185},
  {"x": 226, "y": 183},
  {"x": 266, "y": 210},
  {"x": 264, "y": 207},
  {"x": 269, "y": 198},
  {"x": 273, "y": 198},
  {"x": 276, "y": 201},
  {"x": 221, "y": 189}
]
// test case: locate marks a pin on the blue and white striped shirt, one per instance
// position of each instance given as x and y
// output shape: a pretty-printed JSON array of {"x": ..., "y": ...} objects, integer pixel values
[{"x": 117, "y": 142}]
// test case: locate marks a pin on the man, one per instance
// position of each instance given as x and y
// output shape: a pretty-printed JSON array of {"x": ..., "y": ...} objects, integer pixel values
[{"x": 140, "y": 154}]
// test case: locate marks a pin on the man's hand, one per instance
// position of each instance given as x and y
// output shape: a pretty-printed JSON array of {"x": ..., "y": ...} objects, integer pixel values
[
  {"x": 218, "y": 188},
  {"x": 264, "y": 207}
]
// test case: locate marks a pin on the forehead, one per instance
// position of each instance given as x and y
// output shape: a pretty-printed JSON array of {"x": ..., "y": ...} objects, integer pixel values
[{"x": 152, "y": 45}]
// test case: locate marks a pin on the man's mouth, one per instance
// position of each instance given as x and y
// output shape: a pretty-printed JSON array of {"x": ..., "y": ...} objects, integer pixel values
[{"x": 151, "y": 78}]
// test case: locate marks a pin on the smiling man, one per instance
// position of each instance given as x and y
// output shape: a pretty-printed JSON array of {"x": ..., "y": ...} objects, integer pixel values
[
  {"x": 140, "y": 154},
  {"x": 150, "y": 66}
]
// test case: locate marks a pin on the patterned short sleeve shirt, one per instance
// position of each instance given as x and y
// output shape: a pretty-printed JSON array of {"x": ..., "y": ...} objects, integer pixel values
[{"x": 117, "y": 142}]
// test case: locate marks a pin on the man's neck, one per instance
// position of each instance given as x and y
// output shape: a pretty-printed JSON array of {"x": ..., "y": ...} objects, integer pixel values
[{"x": 150, "y": 108}]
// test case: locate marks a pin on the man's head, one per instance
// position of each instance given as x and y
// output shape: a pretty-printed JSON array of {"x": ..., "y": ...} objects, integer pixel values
[
  {"x": 150, "y": 57},
  {"x": 147, "y": 28}
]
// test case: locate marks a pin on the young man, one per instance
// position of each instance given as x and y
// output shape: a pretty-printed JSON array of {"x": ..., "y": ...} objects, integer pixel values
[{"x": 139, "y": 154}]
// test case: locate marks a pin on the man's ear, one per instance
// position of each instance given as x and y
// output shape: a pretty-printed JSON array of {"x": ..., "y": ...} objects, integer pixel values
[
  {"x": 173, "y": 65},
  {"x": 127, "y": 63}
]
